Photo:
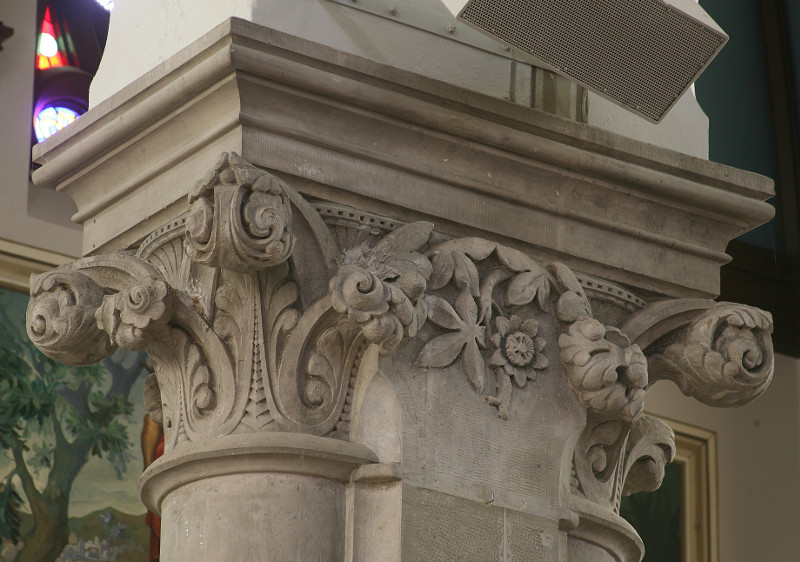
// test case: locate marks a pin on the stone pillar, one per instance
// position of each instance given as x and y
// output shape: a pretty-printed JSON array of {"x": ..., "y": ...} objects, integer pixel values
[{"x": 389, "y": 318}]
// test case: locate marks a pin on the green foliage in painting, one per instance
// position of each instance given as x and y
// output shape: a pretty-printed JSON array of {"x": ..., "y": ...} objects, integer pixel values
[
  {"x": 9, "y": 512},
  {"x": 53, "y": 417}
]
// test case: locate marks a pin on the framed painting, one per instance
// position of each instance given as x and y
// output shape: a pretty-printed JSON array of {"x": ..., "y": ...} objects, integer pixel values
[
  {"x": 70, "y": 438},
  {"x": 678, "y": 522}
]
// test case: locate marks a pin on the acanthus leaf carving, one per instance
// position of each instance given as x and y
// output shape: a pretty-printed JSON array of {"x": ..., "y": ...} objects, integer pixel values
[
  {"x": 598, "y": 459},
  {"x": 615, "y": 458},
  {"x": 650, "y": 447}
]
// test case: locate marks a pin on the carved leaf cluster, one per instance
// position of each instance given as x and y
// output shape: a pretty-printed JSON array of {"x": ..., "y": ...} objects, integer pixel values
[
  {"x": 605, "y": 371},
  {"x": 381, "y": 288},
  {"x": 465, "y": 337}
]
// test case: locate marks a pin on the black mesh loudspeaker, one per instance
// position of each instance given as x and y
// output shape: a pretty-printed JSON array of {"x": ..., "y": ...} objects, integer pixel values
[{"x": 640, "y": 54}]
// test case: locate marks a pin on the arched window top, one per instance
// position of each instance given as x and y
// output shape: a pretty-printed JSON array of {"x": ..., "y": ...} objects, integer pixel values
[{"x": 49, "y": 53}]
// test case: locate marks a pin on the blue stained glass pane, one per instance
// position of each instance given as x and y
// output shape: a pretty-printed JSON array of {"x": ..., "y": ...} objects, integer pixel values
[{"x": 51, "y": 119}]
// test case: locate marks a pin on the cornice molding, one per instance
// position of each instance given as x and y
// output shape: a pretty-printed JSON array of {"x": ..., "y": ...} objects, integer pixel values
[
  {"x": 555, "y": 184},
  {"x": 19, "y": 261}
]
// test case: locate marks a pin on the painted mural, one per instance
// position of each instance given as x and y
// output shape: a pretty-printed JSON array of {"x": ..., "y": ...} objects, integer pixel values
[{"x": 71, "y": 457}]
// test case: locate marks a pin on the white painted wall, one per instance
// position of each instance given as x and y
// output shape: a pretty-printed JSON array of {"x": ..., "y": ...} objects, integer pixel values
[
  {"x": 685, "y": 127},
  {"x": 179, "y": 22},
  {"x": 29, "y": 214},
  {"x": 758, "y": 449},
  {"x": 159, "y": 29}
]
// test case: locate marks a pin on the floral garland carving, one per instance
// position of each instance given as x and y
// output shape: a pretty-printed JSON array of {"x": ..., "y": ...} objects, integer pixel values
[
  {"x": 484, "y": 319},
  {"x": 478, "y": 293}
]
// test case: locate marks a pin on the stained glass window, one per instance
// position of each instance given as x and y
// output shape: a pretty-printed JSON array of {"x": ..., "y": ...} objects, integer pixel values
[
  {"x": 48, "y": 54},
  {"x": 51, "y": 119},
  {"x": 72, "y": 36}
]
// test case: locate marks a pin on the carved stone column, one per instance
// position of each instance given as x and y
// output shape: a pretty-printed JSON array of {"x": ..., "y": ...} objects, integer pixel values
[{"x": 341, "y": 378}]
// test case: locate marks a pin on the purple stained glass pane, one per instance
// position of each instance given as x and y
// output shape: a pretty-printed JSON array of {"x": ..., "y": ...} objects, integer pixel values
[{"x": 51, "y": 119}]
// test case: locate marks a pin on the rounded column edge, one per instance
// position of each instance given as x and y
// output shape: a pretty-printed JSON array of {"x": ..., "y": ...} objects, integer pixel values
[{"x": 274, "y": 452}]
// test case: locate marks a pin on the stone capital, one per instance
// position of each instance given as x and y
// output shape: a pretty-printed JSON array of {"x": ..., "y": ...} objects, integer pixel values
[{"x": 267, "y": 316}]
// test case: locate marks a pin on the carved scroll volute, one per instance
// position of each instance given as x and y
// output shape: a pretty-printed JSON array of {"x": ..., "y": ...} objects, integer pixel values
[
  {"x": 61, "y": 318},
  {"x": 719, "y": 353},
  {"x": 84, "y": 311},
  {"x": 598, "y": 460},
  {"x": 239, "y": 218}
]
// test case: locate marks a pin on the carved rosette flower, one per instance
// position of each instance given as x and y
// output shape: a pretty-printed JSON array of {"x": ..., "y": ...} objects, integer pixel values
[
  {"x": 130, "y": 315},
  {"x": 239, "y": 218},
  {"x": 61, "y": 318},
  {"x": 724, "y": 358},
  {"x": 606, "y": 372},
  {"x": 518, "y": 353},
  {"x": 518, "y": 348}
]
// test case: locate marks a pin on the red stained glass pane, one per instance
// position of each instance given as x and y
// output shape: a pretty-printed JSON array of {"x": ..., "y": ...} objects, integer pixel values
[{"x": 48, "y": 55}]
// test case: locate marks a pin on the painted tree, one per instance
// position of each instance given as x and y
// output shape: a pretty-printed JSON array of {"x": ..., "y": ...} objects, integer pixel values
[{"x": 53, "y": 418}]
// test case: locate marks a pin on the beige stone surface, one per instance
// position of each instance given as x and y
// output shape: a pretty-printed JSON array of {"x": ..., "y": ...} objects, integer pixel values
[{"x": 266, "y": 517}]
